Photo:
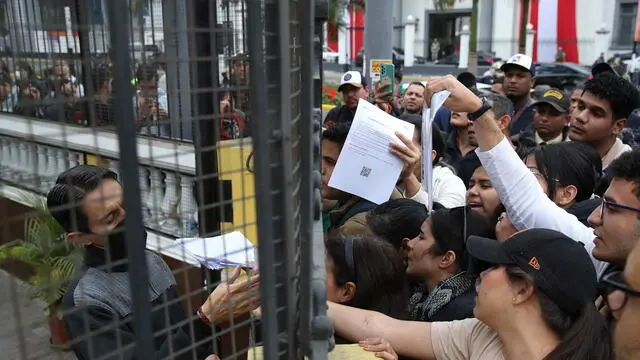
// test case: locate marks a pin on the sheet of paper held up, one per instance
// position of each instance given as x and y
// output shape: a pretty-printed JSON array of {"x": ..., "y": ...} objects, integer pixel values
[
  {"x": 428, "y": 114},
  {"x": 220, "y": 252},
  {"x": 340, "y": 352},
  {"x": 365, "y": 167}
]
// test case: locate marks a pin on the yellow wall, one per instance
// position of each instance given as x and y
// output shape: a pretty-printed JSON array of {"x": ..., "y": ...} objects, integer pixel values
[{"x": 232, "y": 159}]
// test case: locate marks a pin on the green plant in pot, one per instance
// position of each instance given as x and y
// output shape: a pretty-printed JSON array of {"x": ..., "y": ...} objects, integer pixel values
[{"x": 52, "y": 258}]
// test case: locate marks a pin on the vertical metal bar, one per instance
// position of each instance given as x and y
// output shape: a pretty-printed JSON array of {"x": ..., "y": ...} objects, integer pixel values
[
  {"x": 306, "y": 18},
  {"x": 378, "y": 39},
  {"x": 263, "y": 183},
  {"x": 126, "y": 130},
  {"x": 205, "y": 79},
  {"x": 285, "y": 249},
  {"x": 82, "y": 11}
]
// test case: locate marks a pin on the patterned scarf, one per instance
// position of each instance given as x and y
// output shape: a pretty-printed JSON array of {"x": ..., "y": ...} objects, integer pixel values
[{"x": 423, "y": 305}]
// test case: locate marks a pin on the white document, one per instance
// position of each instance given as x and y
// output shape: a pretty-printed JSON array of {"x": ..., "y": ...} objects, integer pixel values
[
  {"x": 221, "y": 252},
  {"x": 428, "y": 114},
  {"x": 365, "y": 167}
]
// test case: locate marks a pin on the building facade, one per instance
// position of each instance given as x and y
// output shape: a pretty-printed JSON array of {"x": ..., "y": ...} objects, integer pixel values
[{"x": 570, "y": 24}]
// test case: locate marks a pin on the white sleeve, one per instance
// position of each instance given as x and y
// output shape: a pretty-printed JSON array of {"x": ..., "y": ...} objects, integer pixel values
[
  {"x": 449, "y": 189},
  {"x": 421, "y": 196},
  {"x": 527, "y": 205}
]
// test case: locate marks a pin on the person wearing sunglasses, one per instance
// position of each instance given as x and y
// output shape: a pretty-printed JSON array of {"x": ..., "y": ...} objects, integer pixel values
[
  {"x": 535, "y": 301},
  {"x": 528, "y": 206},
  {"x": 622, "y": 297}
]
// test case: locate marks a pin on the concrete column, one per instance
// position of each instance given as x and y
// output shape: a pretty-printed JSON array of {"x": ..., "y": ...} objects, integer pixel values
[
  {"x": 529, "y": 40},
  {"x": 343, "y": 38},
  {"x": 601, "y": 44},
  {"x": 464, "y": 47},
  {"x": 378, "y": 32},
  {"x": 409, "y": 40}
]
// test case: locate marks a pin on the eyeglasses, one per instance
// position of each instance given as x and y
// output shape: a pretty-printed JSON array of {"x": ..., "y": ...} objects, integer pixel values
[
  {"x": 609, "y": 205},
  {"x": 616, "y": 291}
]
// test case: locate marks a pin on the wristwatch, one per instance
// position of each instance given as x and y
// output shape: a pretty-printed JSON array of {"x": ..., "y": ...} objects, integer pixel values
[{"x": 473, "y": 116}]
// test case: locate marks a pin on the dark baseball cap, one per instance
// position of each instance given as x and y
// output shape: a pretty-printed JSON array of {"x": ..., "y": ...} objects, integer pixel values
[
  {"x": 560, "y": 266},
  {"x": 604, "y": 67},
  {"x": 557, "y": 99}
]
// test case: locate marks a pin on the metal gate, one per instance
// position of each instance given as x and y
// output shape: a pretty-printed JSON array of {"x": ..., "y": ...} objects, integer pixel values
[{"x": 208, "y": 112}]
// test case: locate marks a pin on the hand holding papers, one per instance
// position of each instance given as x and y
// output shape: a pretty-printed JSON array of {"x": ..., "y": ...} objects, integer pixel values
[
  {"x": 365, "y": 167},
  {"x": 220, "y": 252},
  {"x": 428, "y": 114}
]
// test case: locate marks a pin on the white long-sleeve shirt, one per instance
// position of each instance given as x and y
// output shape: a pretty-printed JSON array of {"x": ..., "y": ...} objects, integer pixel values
[
  {"x": 526, "y": 203},
  {"x": 448, "y": 189}
]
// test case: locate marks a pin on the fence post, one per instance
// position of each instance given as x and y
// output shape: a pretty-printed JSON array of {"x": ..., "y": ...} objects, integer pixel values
[
  {"x": 601, "y": 41},
  {"x": 378, "y": 32},
  {"x": 126, "y": 130},
  {"x": 529, "y": 40},
  {"x": 463, "y": 62},
  {"x": 409, "y": 41}
]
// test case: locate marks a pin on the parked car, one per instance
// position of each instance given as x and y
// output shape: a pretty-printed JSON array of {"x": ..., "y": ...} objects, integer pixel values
[
  {"x": 564, "y": 76},
  {"x": 485, "y": 58},
  {"x": 416, "y": 59},
  {"x": 329, "y": 55}
]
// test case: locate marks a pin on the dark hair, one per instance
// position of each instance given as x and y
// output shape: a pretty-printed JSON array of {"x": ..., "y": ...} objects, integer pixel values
[
  {"x": 449, "y": 227},
  {"x": 146, "y": 72},
  {"x": 569, "y": 163},
  {"x": 583, "y": 336},
  {"x": 337, "y": 133},
  {"x": 416, "y": 83},
  {"x": 467, "y": 79},
  {"x": 437, "y": 139},
  {"x": 64, "y": 200},
  {"x": 623, "y": 97},
  {"x": 378, "y": 272},
  {"x": 5, "y": 79},
  {"x": 26, "y": 67},
  {"x": 627, "y": 167},
  {"x": 100, "y": 75},
  {"x": 500, "y": 105},
  {"x": 396, "y": 220}
]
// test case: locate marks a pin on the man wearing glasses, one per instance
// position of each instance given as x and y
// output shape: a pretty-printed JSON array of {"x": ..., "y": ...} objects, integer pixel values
[{"x": 623, "y": 300}]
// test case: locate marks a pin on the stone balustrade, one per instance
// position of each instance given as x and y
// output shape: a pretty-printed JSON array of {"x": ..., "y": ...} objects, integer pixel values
[{"x": 33, "y": 152}]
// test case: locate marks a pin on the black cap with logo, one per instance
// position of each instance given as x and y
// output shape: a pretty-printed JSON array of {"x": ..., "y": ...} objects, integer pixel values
[
  {"x": 560, "y": 267},
  {"x": 557, "y": 99}
]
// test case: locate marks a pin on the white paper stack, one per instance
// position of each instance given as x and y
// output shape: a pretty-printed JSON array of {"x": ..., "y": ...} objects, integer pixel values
[{"x": 221, "y": 252}]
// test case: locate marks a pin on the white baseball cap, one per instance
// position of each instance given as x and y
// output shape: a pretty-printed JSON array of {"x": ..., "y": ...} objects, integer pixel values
[
  {"x": 353, "y": 78},
  {"x": 522, "y": 61}
]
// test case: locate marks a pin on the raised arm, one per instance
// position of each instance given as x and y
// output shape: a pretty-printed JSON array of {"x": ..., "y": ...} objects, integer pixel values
[
  {"x": 408, "y": 338},
  {"x": 519, "y": 191}
]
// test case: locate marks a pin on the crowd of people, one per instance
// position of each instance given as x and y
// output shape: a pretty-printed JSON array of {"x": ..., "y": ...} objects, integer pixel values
[
  {"x": 58, "y": 94},
  {"x": 531, "y": 250}
]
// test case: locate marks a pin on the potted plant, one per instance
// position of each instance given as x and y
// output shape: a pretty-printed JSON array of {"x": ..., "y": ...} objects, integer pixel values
[{"x": 53, "y": 260}]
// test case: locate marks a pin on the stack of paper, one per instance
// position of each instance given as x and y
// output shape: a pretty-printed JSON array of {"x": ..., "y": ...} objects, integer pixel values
[{"x": 220, "y": 252}]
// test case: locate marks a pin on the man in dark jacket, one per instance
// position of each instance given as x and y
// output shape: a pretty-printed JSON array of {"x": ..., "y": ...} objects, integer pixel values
[
  {"x": 353, "y": 87},
  {"x": 98, "y": 314}
]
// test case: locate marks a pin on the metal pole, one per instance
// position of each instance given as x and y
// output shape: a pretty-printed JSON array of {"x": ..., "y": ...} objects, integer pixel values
[
  {"x": 82, "y": 11},
  {"x": 262, "y": 160},
  {"x": 126, "y": 129},
  {"x": 378, "y": 32}
]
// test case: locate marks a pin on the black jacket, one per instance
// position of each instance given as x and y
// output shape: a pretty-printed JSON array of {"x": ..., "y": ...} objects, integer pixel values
[{"x": 99, "y": 319}]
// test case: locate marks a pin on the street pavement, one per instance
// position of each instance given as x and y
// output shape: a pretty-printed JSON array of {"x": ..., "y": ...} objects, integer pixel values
[
  {"x": 418, "y": 72},
  {"x": 25, "y": 334}
]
